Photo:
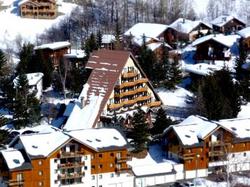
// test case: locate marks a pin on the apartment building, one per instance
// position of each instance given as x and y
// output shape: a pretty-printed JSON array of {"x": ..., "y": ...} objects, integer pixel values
[{"x": 93, "y": 157}]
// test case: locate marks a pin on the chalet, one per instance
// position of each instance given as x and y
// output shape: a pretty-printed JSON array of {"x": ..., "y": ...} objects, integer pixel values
[
  {"x": 204, "y": 146},
  {"x": 186, "y": 30},
  {"x": 40, "y": 9},
  {"x": 116, "y": 85},
  {"x": 93, "y": 157},
  {"x": 108, "y": 41},
  {"x": 75, "y": 57},
  {"x": 227, "y": 24},
  {"x": 54, "y": 51},
  {"x": 245, "y": 34},
  {"x": 35, "y": 82},
  {"x": 215, "y": 47},
  {"x": 154, "y": 35}
]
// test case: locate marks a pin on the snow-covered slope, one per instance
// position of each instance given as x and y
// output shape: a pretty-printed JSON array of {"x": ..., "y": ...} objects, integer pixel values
[{"x": 26, "y": 30}]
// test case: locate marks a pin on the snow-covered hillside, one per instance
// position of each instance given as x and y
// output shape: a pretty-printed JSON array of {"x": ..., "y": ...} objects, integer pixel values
[{"x": 13, "y": 26}]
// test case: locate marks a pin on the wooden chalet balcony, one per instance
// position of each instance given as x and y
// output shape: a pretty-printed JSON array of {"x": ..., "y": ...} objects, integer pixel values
[
  {"x": 154, "y": 104},
  {"x": 216, "y": 153},
  {"x": 70, "y": 154},
  {"x": 143, "y": 98},
  {"x": 129, "y": 102},
  {"x": 131, "y": 92},
  {"x": 15, "y": 182},
  {"x": 71, "y": 165},
  {"x": 187, "y": 156},
  {"x": 130, "y": 74},
  {"x": 123, "y": 159},
  {"x": 115, "y": 106},
  {"x": 131, "y": 83},
  {"x": 70, "y": 175},
  {"x": 218, "y": 143}
]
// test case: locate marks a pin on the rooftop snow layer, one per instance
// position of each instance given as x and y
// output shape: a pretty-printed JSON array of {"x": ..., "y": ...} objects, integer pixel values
[
  {"x": 186, "y": 26},
  {"x": 222, "y": 20},
  {"x": 245, "y": 33},
  {"x": 151, "y": 30},
  {"x": 108, "y": 38},
  {"x": 53, "y": 46},
  {"x": 13, "y": 158},
  {"x": 226, "y": 40},
  {"x": 99, "y": 138},
  {"x": 33, "y": 78}
]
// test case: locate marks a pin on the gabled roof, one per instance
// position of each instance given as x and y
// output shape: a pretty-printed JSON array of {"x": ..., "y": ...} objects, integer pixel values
[
  {"x": 239, "y": 127},
  {"x": 152, "y": 30},
  {"x": 54, "y": 45},
  {"x": 224, "y": 19},
  {"x": 108, "y": 38},
  {"x": 192, "y": 129},
  {"x": 107, "y": 66},
  {"x": 13, "y": 158},
  {"x": 186, "y": 26},
  {"x": 99, "y": 139},
  {"x": 245, "y": 33},
  {"x": 155, "y": 45},
  {"x": 226, "y": 40},
  {"x": 41, "y": 144}
]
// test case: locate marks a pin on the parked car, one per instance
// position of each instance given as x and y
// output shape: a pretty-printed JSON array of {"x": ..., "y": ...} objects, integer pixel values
[{"x": 188, "y": 184}]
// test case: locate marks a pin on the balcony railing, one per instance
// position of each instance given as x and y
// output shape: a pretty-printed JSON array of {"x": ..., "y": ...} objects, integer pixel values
[
  {"x": 132, "y": 83},
  {"x": 123, "y": 169},
  {"x": 70, "y": 175},
  {"x": 216, "y": 153},
  {"x": 130, "y": 74},
  {"x": 143, "y": 98},
  {"x": 131, "y": 92},
  {"x": 218, "y": 143},
  {"x": 70, "y": 154},
  {"x": 71, "y": 165},
  {"x": 14, "y": 182},
  {"x": 123, "y": 159},
  {"x": 154, "y": 104}
]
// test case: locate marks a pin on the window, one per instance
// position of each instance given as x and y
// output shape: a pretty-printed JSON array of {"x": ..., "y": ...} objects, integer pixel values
[
  {"x": 245, "y": 154},
  {"x": 40, "y": 183},
  {"x": 100, "y": 176},
  {"x": 85, "y": 157},
  {"x": 40, "y": 162},
  {"x": 112, "y": 154},
  {"x": 112, "y": 175},
  {"x": 100, "y": 155},
  {"x": 93, "y": 177},
  {"x": 100, "y": 166},
  {"x": 40, "y": 173},
  {"x": 85, "y": 167},
  {"x": 233, "y": 155},
  {"x": 19, "y": 177},
  {"x": 93, "y": 167},
  {"x": 111, "y": 165},
  {"x": 118, "y": 155}
]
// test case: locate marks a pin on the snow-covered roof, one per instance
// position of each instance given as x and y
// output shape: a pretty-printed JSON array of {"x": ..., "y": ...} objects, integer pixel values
[
  {"x": 186, "y": 26},
  {"x": 155, "y": 45},
  {"x": 202, "y": 68},
  {"x": 192, "y": 129},
  {"x": 245, "y": 33},
  {"x": 54, "y": 45},
  {"x": 42, "y": 144},
  {"x": 150, "y": 30},
  {"x": 239, "y": 127},
  {"x": 224, "y": 19},
  {"x": 226, "y": 40},
  {"x": 33, "y": 78},
  {"x": 75, "y": 53},
  {"x": 99, "y": 138},
  {"x": 13, "y": 158},
  {"x": 69, "y": 109},
  {"x": 108, "y": 38}
]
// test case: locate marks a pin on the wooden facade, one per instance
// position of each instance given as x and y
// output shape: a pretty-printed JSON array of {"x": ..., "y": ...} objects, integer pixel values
[
  {"x": 215, "y": 147},
  {"x": 229, "y": 27},
  {"x": 39, "y": 9},
  {"x": 70, "y": 163}
]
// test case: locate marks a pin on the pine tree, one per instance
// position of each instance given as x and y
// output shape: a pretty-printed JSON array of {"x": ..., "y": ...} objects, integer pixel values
[
  {"x": 99, "y": 39},
  {"x": 90, "y": 45},
  {"x": 3, "y": 136},
  {"x": 174, "y": 76},
  {"x": 161, "y": 122},
  {"x": 218, "y": 96},
  {"x": 26, "y": 106},
  {"x": 3, "y": 62},
  {"x": 140, "y": 131},
  {"x": 25, "y": 56},
  {"x": 240, "y": 60},
  {"x": 118, "y": 44}
]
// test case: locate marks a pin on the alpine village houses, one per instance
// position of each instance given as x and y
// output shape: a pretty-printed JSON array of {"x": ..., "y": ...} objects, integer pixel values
[{"x": 40, "y": 9}]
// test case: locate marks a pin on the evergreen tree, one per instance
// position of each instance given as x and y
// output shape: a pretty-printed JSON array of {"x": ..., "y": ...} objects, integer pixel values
[
  {"x": 218, "y": 96},
  {"x": 26, "y": 106},
  {"x": 118, "y": 44},
  {"x": 25, "y": 56},
  {"x": 174, "y": 76},
  {"x": 90, "y": 45},
  {"x": 99, "y": 39},
  {"x": 3, "y": 120},
  {"x": 146, "y": 59},
  {"x": 3, "y": 62},
  {"x": 161, "y": 122},
  {"x": 140, "y": 131},
  {"x": 3, "y": 136},
  {"x": 240, "y": 60}
]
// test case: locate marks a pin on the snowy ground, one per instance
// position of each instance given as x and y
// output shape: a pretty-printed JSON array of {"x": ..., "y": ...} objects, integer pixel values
[{"x": 13, "y": 26}]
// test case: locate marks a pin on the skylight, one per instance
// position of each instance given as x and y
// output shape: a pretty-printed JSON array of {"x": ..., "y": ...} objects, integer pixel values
[
  {"x": 16, "y": 161},
  {"x": 233, "y": 128},
  {"x": 188, "y": 136},
  {"x": 34, "y": 146}
]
